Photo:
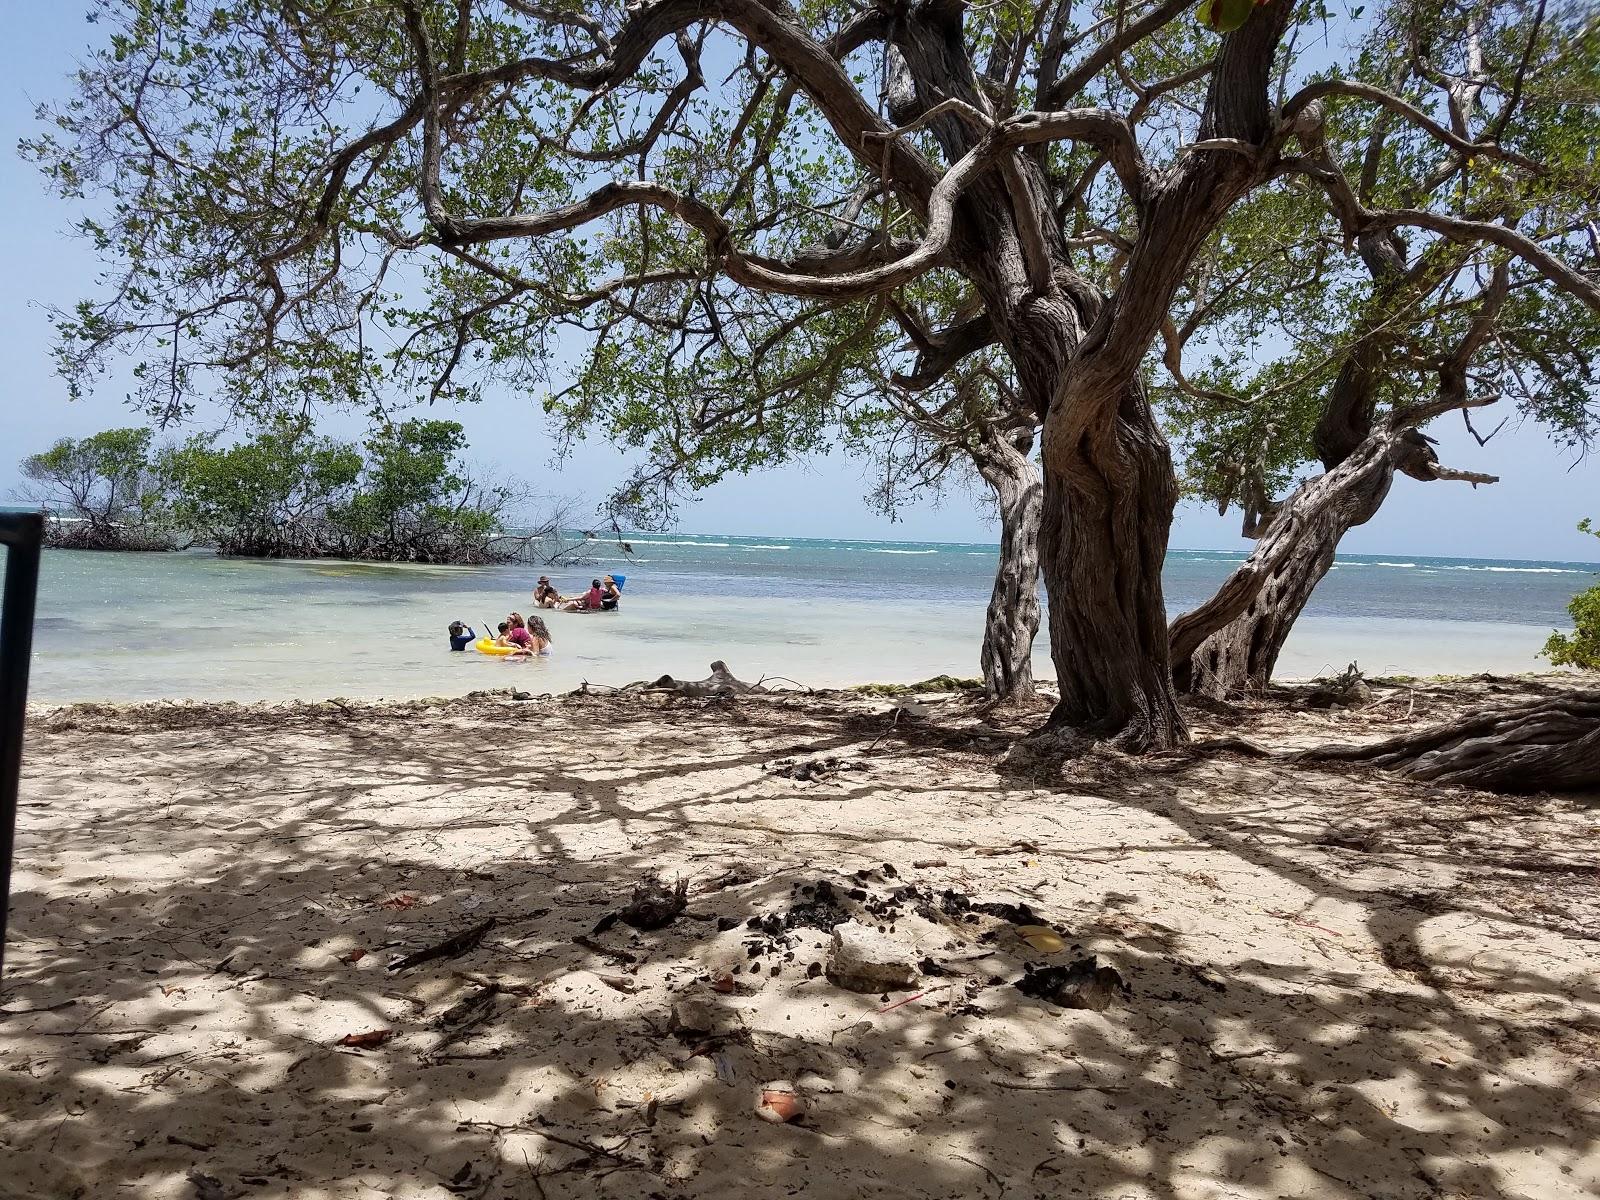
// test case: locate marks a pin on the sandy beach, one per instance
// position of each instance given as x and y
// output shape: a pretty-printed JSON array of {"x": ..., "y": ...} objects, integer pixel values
[{"x": 1327, "y": 983}]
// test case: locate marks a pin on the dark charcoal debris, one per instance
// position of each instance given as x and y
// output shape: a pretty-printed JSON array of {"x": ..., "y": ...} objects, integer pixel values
[
  {"x": 880, "y": 874},
  {"x": 653, "y": 906},
  {"x": 819, "y": 769},
  {"x": 949, "y": 904},
  {"x": 821, "y": 905},
  {"x": 954, "y": 903},
  {"x": 817, "y": 907},
  {"x": 1081, "y": 984}
]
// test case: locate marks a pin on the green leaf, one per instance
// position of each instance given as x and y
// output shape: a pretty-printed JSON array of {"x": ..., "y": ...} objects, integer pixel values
[{"x": 1223, "y": 16}]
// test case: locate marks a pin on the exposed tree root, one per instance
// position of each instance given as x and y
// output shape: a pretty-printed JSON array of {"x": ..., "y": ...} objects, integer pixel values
[{"x": 1548, "y": 744}]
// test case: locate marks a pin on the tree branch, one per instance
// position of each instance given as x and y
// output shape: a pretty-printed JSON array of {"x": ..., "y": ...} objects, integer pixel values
[
  {"x": 1053, "y": 94},
  {"x": 946, "y": 351},
  {"x": 1311, "y": 93},
  {"x": 1461, "y": 229}
]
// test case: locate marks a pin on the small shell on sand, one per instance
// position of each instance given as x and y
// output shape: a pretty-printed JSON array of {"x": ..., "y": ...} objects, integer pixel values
[{"x": 780, "y": 1103}]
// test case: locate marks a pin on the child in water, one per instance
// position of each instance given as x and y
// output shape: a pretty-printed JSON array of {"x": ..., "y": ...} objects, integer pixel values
[
  {"x": 461, "y": 635},
  {"x": 590, "y": 601}
]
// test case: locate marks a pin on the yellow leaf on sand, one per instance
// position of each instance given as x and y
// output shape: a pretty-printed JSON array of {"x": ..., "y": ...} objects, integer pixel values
[{"x": 1042, "y": 938}]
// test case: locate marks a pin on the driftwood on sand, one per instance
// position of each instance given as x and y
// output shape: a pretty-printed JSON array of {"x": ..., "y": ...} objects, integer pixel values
[{"x": 721, "y": 682}]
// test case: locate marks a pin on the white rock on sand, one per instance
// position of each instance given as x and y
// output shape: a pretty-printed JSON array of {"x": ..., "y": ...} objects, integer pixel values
[
  {"x": 864, "y": 960},
  {"x": 1337, "y": 985}
]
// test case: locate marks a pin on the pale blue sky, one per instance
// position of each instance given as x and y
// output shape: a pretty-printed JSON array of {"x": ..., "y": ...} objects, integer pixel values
[{"x": 1531, "y": 513}]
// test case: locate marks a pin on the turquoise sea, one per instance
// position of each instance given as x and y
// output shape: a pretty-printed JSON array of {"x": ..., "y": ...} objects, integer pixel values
[{"x": 819, "y": 611}]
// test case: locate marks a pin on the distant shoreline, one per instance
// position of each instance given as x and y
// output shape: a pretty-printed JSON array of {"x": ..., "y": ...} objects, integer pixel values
[{"x": 1392, "y": 558}]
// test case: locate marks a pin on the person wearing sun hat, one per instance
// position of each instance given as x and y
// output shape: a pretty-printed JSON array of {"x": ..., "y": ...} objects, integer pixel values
[{"x": 545, "y": 594}]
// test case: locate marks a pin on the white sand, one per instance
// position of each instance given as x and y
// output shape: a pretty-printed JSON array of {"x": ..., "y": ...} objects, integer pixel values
[{"x": 1340, "y": 986}]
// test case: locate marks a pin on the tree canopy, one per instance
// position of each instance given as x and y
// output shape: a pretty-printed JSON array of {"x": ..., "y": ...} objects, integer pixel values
[
  {"x": 473, "y": 178},
  {"x": 1311, "y": 332},
  {"x": 284, "y": 490},
  {"x": 287, "y": 491}
]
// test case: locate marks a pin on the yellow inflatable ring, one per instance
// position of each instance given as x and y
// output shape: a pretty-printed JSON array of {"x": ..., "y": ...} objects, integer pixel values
[{"x": 486, "y": 646}]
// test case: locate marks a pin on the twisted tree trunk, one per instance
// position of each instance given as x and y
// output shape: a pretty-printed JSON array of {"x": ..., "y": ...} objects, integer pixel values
[
  {"x": 1012, "y": 622},
  {"x": 1548, "y": 744},
  {"x": 1108, "y": 505},
  {"x": 1231, "y": 644}
]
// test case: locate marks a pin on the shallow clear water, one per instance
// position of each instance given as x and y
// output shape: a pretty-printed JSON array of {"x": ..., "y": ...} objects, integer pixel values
[{"x": 824, "y": 612}]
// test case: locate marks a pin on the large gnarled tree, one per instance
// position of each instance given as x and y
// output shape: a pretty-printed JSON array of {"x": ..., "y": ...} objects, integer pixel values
[{"x": 296, "y": 182}]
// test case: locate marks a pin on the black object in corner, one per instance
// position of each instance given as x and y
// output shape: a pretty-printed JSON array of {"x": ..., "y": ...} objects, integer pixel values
[{"x": 22, "y": 534}]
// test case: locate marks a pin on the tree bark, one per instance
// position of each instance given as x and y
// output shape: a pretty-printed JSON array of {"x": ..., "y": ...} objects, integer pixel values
[
  {"x": 1548, "y": 744},
  {"x": 1108, "y": 505},
  {"x": 1231, "y": 643},
  {"x": 1012, "y": 622}
]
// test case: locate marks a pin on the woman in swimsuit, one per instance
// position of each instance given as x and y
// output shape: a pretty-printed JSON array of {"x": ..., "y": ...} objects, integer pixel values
[
  {"x": 587, "y": 602},
  {"x": 539, "y": 635}
]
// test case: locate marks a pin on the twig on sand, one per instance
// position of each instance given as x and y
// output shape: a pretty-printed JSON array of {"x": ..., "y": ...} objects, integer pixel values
[
  {"x": 891, "y": 1007},
  {"x": 1227, "y": 744},
  {"x": 995, "y": 1179},
  {"x": 893, "y": 721},
  {"x": 452, "y": 947},
  {"x": 1297, "y": 919},
  {"x": 499, "y": 985},
  {"x": 765, "y": 679},
  {"x": 43, "y": 1008},
  {"x": 617, "y": 956},
  {"x": 575, "y": 1143},
  {"x": 719, "y": 685}
]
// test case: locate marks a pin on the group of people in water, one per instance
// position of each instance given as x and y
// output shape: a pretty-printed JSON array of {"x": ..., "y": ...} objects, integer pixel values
[
  {"x": 604, "y": 595},
  {"x": 522, "y": 637},
  {"x": 516, "y": 635}
]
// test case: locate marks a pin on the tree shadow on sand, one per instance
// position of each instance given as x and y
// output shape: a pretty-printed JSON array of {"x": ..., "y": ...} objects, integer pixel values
[{"x": 184, "y": 966}]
